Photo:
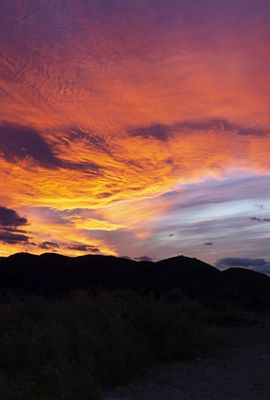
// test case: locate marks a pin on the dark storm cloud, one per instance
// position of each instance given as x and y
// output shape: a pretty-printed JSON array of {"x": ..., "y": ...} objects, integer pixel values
[
  {"x": 10, "y": 218},
  {"x": 48, "y": 245},
  {"x": 162, "y": 132},
  {"x": 84, "y": 247},
  {"x": 19, "y": 143},
  {"x": 256, "y": 264},
  {"x": 144, "y": 258}
]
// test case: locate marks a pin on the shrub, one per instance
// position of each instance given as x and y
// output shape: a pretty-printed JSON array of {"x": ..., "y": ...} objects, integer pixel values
[{"x": 71, "y": 348}]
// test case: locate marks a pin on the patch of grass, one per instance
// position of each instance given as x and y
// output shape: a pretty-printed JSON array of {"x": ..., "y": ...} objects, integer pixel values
[{"x": 72, "y": 348}]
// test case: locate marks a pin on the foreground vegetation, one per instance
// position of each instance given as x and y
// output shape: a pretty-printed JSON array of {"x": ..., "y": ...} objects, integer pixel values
[{"x": 72, "y": 348}]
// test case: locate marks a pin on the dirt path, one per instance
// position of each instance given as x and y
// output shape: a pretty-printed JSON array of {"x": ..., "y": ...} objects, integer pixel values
[{"x": 240, "y": 371}]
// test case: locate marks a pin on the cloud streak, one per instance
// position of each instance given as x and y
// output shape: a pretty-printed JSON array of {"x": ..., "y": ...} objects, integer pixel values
[
  {"x": 10, "y": 222},
  {"x": 257, "y": 264},
  {"x": 86, "y": 248},
  {"x": 163, "y": 132}
]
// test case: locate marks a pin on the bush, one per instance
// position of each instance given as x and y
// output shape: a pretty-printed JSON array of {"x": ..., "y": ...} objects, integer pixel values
[{"x": 71, "y": 348}]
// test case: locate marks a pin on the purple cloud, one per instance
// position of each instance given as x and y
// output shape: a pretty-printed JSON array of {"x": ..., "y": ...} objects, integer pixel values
[
  {"x": 19, "y": 143},
  {"x": 12, "y": 238},
  {"x": 162, "y": 132},
  {"x": 10, "y": 221},
  {"x": 10, "y": 218},
  {"x": 49, "y": 245},
  {"x": 144, "y": 258},
  {"x": 257, "y": 219},
  {"x": 84, "y": 247},
  {"x": 256, "y": 264}
]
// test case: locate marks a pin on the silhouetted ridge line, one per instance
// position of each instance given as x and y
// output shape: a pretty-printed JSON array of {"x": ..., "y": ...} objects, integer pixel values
[{"x": 53, "y": 274}]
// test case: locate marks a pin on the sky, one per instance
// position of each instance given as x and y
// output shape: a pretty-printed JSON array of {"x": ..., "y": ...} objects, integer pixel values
[{"x": 136, "y": 128}]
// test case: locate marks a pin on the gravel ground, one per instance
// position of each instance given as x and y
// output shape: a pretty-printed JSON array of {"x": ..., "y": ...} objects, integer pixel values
[{"x": 240, "y": 370}]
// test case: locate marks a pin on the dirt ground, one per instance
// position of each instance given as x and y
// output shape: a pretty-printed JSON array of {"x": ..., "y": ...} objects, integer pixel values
[{"x": 238, "y": 370}]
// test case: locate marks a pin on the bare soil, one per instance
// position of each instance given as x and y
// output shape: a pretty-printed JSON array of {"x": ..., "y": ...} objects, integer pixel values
[{"x": 238, "y": 369}]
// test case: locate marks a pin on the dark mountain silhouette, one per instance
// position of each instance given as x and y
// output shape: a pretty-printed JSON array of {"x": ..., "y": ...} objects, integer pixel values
[{"x": 51, "y": 274}]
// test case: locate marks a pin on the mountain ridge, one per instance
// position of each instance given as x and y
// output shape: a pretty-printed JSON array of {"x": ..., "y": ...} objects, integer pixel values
[{"x": 52, "y": 274}]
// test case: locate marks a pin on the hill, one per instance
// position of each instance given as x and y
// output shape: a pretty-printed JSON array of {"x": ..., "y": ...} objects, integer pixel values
[{"x": 52, "y": 274}]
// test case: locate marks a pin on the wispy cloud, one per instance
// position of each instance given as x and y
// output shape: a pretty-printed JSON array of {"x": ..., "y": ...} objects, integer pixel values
[{"x": 256, "y": 264}]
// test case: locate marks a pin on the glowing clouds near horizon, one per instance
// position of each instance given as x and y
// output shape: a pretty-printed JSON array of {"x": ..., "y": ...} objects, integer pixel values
[{"x": 107, "y": 106}]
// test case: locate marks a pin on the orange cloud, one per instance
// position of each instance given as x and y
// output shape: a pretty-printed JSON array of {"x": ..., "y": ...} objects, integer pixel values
[{"x": 99, "y": 92}]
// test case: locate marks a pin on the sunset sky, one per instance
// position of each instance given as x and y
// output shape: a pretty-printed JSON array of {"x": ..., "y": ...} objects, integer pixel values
[{"x": 136, "y": 128}]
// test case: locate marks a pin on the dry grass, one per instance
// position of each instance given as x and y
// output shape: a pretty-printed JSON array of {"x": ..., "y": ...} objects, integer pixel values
[{"x": 72, "y": 348}]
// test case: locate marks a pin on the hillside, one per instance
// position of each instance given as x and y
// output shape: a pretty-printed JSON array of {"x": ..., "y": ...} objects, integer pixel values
[{"x": 52, "y": 274}]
